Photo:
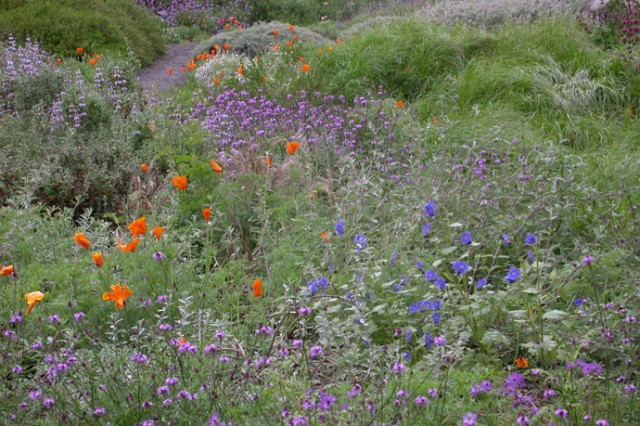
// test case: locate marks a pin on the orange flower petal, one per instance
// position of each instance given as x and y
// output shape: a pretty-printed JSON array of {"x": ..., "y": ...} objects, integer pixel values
[
  {"x": 215, "y": 166},
  {"x": 158, "y": 231},
  {"x": 292, "y": 147},
  {"x": 81, "y": 240},
  {"x": 257, "y": 288},
  {"x": 180, "y": 182}
]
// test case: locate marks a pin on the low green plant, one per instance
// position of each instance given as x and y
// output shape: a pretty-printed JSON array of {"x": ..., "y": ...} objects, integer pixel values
[{"x": 61, "y": 26}]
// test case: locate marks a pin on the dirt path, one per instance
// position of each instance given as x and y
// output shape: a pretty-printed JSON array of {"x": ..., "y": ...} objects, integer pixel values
[{"x": 155, "y": 78}]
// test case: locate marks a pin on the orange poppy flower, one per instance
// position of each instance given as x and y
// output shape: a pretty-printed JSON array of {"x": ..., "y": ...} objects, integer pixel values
[
  {"x": 58, "y": 60},
  {"x": 81, "y": 240},
  {"x": 522, "y": 363},
  {"x": 226, "y": 46},
  {"x": 92, "y": 62},
  {"x": 305, "y": 68},
  {"x": 206, "y": 213},
  {"x": 169, "y": 72},
  {"x": 399, "y": 104},
  {"x": 290, "y": 27},
  {"x": 80, "y": 50},
  {"x": 435, "y": 121},
  {"x": 240, "y": 70},
  {"x": 257, "y": 288},
  {"x": 215, "y": 48},
  {"x": 183, "y": 69},
  {"x": 240, "y": 27},
  {"x": 97, "y": 258},
  {"x": 295, "y": 38},
  {"x": 7, "y": 270},
  {"x": 338, "y": 41},
  {"x": 325, "y": 237},
  {"x": 275, "y": 33},
  {"x": 215, "y": 166},
  {"x": 130, "y": 247},
  {"x": 180, "y": 182},
  {"x": 289, "y": 44},
  {"x": 32, "y": 298},
  {"x": 320, "y": 51},
  {"x": 119, "y": 294},
  {"x": 269, "y": 161},
  {"x": 199, "y": 57},
  {"x": 158, "y": 231},
  {"x": 216, "y": 80},
  {"x": 182, "y": 341},
  {"x": 192, "y": 65},
  {"x": 292, "y": 147},
  {"x": 144, "y": 167},
  {"x": 276, "y": 47},
  {"x": 301, "y": 59},
  {"x": 138, "y": 227},
  {"x": 330, "y": 49}
]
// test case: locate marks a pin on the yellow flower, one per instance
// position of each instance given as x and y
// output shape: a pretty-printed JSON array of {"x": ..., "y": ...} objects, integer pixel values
[{"x": 32, "y": 298}]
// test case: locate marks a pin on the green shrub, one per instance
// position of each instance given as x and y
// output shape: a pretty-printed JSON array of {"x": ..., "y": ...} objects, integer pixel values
[
  {"x": 61, "y": 26},
  {"x": 259, "y": 38}
]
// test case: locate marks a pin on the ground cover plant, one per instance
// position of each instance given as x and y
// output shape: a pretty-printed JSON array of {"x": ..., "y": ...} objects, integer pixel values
[
  {"x": 405, "y": 223},
  {"x": 61, "y": 26}
]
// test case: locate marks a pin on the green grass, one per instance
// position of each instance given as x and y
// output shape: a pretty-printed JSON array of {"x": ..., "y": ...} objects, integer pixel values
[
  {"x": 61, "y": 26},
  {"x": 515, "y": 130}
]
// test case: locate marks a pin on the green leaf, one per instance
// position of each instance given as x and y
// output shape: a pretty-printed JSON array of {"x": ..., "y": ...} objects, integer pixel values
[{"x": 555, "y": 315}]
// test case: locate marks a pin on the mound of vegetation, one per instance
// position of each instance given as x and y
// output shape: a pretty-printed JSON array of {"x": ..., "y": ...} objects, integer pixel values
[
  {"x": 61, "y": 26},
  {"x": 260, "y": 38}
]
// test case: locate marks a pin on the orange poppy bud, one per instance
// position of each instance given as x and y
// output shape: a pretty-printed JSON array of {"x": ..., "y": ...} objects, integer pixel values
[
  {"x": 216, "y": 80},
  {"x": 399, "y": 104},
  {"x": 330, "y": 49},
  {"x": 226, "y": 46},
  {"x": 182, "y": 341},
  {"x": 144, "y": 167},
  {"x": 295, "y": 38},
  {"x": 138, "y": 227},
  {"x": 227, "y": 26},
  {"x": 119, "y": 294},
  {"x": 215, "y": 166},
  {"x": 98, "y": 259},
  {"x": 289, "y": 44},
  {"x": 338, "y": 41},
  {"x": 92, "y": 62},
  {"x": 183, "y": 69},
  {"x": 158, "y": 231},
  {"x": 305, "y": 67},
  {"x": 269, "y": 161},
  {"x": 290, "y": 27},
  {"x": 301, "y": 59},
  {"x": 240, "y": 70},
  {"x": 130, "y": 247},
  {"x": 80, "y": 50},
  {"x": 407, "y": 68},
  {"x": 81, "y": 240},
  {"x": 292, "y": 147},
  {"x": 435, "y": 121},
  {"x": 275, "y": 33},
  {"x": 180, "y": 182},
  {"x": 265, "y": 78},
  {"x": 257, "y": 288},
  {"x": 276, "y": 47},
  {"x": 522, "y": 363},
  {"x": 215, "y": 48},
  {"x": 206, "y": 213},
  {"x": 58, "y": 60},
  {"x": 7, "y": 270},
  {"x": 320, "y": 51},
  {"x": 325, "y": 237},
  {"x": 32, "y": 298},
  {"x": 169, "y": 71}
]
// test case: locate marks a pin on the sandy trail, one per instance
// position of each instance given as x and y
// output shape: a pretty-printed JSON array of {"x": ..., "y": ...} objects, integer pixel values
[{"x": 155, "y": 78}]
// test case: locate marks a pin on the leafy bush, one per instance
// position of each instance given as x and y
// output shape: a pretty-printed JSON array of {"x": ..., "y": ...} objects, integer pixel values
[
  {"x": 259, "y": 38},
  {"x": 61, "y": 26}
]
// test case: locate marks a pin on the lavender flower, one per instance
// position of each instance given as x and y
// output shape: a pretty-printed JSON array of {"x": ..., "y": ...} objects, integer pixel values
[
  {"x": 466, "y": 238},
  {"x": 316, "y": 352},
  {"x": 340, "y": 228},
  {"x": 360, "y": 241},
  {"x": 430, "y": 209},
  {"x": 513, "y": 275}
]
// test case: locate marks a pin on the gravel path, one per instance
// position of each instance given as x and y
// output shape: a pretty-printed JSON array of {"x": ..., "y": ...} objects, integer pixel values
[{"x": 155, "y": 78}]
